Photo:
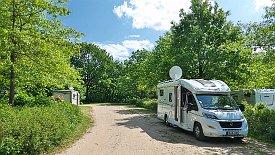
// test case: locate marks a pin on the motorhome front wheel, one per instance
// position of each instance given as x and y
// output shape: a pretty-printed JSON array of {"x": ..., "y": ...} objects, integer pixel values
[{"x": 198, "y": 132}]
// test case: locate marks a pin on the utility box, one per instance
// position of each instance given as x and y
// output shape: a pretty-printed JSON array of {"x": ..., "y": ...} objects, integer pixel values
[
  {"x": 71, "y": 96},
  {"x": 253, "y": 96}
]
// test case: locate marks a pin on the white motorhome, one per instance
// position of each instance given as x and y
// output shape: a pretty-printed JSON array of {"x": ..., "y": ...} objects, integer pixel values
[
  {"x": 253, "y": 96},
  {"x": 203, "y": 107}
]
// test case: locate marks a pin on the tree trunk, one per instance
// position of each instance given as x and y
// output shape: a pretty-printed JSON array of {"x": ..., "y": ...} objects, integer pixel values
[
  {"x": 13, "y": 61},
  {"x": 12, "y": 79},
  {"x": 200, "y": 63},
  {"x": 87, "y": 93}
]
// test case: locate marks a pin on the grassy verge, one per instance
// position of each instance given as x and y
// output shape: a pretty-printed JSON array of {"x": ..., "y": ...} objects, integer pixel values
[
  {"x": 40, "y": 129},
  {"x": 79, "y": 132}
]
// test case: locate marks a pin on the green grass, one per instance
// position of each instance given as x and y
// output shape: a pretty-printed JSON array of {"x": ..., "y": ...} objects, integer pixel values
[{"x": 80, "y": 130}]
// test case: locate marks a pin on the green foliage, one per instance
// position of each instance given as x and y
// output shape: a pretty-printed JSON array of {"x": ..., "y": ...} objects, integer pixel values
[
  {"x": 99, "y": 72},
  {"x": 260, "y": 36},
  {"x": 150, "y": 104},
  {"x": 205, "y": 45},
  {"x": 140, "y": 76},
  {"x": 198, "y": 39},
  {"x": 36, "y": 47},
  {"x": 261, "y": 122},
  {"x": 34, "y": 130}
]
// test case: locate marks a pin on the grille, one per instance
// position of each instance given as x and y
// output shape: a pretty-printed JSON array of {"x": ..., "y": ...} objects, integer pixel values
[{"x": 231, "y": 124}]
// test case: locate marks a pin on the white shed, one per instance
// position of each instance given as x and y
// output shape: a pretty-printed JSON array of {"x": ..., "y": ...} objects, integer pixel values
[{"x": 71, "y": 96}]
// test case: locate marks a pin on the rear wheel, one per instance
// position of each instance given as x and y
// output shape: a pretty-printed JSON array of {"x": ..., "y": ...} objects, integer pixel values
[
  {"x": 198, "y": 132},
  {"x": 166, "y": 120}
]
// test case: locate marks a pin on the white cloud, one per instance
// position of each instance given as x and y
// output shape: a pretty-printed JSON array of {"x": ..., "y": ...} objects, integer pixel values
[
  {"x": 122, "y": 50},
  {"x": 135, "y": 44},
  {"x": 262, "y": 3},
  {"x": 134, "y": 36},
  {"x": 118, "y": 51},
  {"x": 153, "y": 14}
]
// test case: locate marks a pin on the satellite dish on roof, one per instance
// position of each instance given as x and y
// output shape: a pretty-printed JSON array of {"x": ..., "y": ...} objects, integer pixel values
[{"x": 175, "y": 73}]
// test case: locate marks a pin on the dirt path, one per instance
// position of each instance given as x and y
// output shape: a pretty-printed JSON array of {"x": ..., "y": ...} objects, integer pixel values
[{"x": 121, "y": 131}]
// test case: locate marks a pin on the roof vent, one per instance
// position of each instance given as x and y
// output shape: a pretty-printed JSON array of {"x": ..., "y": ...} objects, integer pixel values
[{"x": 206, "y": 83}]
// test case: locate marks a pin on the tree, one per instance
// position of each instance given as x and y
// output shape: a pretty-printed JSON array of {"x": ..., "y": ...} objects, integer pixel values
[
  {"x": 137, "y": 74},
  {"x": 261, "y": 39},
  {"x": 35, "y": 45},
  {"x": 198, "y": 38},
  {"x": 99, "y": 72}
]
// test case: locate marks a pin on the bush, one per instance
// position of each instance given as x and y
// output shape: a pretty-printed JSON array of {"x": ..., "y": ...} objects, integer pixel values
[
  {"x": 22, "y": 99},
  {"x": 261, "y": 121},
  {"x": 35, "y": 130},
  {"x": 150, "y": 104}
]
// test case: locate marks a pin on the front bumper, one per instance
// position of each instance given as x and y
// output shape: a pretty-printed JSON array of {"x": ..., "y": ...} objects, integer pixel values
[{"x": 212, "y": 128}]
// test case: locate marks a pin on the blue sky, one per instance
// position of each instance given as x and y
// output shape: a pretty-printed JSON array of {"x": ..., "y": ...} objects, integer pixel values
[{"x": 123, "y": 26}]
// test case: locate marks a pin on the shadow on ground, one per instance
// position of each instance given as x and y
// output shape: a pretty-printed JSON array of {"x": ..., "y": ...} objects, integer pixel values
[{"x": 157, "y": 130}]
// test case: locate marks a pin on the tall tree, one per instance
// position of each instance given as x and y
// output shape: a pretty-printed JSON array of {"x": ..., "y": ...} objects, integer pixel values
[
  {"x": 35, "y": 43},
  {"x": 137, "y": 73},
  {"x": 198, "y": 36},
  {"x": 99, "y": 72},
  {"x": 261, "y": 39}
]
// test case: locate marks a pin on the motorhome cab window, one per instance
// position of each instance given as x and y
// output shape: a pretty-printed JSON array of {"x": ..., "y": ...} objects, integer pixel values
[
  {"x": 217, "y": 101},
  {"x": 161, "y": 92},
  {"x": 170, "y": 97}
]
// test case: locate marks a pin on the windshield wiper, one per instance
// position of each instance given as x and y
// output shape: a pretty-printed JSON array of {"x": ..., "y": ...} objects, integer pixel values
[{"x": 211, "y": 108}]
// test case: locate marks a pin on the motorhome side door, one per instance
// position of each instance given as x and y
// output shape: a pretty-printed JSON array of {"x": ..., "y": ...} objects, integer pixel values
[
  {"x": 176, "y": 102},
  {"x": 183, "y": 105},
  {"x": 179, "y": 103}
]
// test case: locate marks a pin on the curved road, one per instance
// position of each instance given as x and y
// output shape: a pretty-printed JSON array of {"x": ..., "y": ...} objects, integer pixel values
[{"x": 119, "y": 130}]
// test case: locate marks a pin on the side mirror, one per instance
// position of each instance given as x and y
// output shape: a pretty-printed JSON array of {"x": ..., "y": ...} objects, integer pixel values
[
  {"x": 189, "y": 106},
  {"x": 241, "y": 106}
]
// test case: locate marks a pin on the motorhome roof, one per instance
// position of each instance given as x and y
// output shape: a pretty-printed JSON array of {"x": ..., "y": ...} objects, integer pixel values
[{"x": 198, "y": 86}]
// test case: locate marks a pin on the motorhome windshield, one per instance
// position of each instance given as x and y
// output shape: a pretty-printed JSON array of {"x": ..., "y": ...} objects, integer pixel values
[{"x": 217, "y": 101}]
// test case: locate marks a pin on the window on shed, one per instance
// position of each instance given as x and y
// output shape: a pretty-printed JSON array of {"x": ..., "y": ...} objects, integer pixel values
[
  {"x": 161, "y": 92},
  {"x": 170, "y": 97}
]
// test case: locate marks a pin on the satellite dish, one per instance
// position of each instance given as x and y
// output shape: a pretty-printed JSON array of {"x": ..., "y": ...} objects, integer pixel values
[{"x": 175, "y": 73}]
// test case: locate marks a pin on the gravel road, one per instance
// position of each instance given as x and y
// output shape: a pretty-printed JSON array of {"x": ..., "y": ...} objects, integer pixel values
[{"x": 119, "y": 130}]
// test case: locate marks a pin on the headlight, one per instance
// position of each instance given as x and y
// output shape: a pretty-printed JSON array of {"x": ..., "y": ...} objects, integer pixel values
[
  {"x": 242, "y": 117},
  {"x": 211, "y": 116}
]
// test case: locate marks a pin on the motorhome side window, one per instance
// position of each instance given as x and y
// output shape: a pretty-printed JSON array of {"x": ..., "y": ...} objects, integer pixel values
[
  {"x": 161, "y": 92},
  {"x": 170, "y": 97}
]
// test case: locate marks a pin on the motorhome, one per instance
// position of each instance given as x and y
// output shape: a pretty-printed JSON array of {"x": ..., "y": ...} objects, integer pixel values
[
  {"x": 203, "y": 107},
  {"x": 253, "y": 96}
]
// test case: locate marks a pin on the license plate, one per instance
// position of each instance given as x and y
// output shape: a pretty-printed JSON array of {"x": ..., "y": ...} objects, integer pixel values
[{"x": 232, "y": 133}]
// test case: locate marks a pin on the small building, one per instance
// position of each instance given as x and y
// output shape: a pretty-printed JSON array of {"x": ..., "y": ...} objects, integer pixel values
[{"x": 71, "y": 96}]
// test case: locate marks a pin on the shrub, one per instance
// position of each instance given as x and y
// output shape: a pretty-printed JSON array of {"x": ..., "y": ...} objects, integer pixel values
[
  {"x": 150, "y": 104},
  {"x": 22, "y": 99},
  {"x": 261, "y": 121},
  {"x": 26, "y": 100},
  {"x": 37, "y": 129}
]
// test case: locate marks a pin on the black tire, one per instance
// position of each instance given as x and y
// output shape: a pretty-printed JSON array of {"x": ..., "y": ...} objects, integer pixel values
[
  {"x": 166, "y": 121},
  {"x": 238, "y": 138},
  {"x": 198, "y": 132}
]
